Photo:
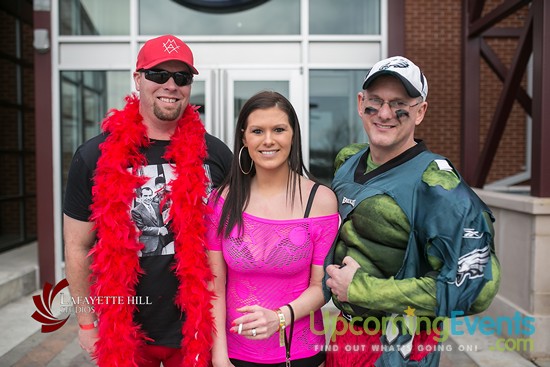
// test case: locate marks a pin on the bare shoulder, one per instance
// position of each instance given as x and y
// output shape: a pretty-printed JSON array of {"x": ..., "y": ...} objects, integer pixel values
[{"x": 324, "y": 203}]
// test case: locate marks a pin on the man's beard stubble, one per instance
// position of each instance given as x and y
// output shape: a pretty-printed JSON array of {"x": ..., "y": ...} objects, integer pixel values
[{"x": 167, "y": 115}]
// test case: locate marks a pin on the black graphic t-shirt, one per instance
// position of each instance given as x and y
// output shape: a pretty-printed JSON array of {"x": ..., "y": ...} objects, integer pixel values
[{"x": 155, "y": 292}]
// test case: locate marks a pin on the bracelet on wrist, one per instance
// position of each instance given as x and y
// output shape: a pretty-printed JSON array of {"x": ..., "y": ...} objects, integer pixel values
[
  {"x": 282, "y": 326},
  {"x": 88, "y": 326}
]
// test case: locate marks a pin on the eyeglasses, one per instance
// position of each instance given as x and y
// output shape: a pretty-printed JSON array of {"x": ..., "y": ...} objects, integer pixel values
[
  {"x": 375, "y": 104},
  {"x": 181, "y": 78}
]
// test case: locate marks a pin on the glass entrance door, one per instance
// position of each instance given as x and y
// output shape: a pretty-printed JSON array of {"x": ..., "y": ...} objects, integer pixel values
[{"x": 222, "y": 92}]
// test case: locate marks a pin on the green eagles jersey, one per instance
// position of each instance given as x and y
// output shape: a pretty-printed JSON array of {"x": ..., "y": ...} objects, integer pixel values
[{"x": 421, "y": 235}]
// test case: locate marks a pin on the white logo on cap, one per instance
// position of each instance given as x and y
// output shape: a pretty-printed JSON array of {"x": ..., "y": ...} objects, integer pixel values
[
  {"x": 170, "y": 46},
  {"x": 398, "y": 64}
]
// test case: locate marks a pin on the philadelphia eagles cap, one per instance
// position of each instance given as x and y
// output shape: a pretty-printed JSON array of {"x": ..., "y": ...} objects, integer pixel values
[
  {"x": 405, "y": 70},
  {"x": 164, "y": 48}
]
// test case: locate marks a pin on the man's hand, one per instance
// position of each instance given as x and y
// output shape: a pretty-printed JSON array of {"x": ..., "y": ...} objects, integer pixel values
[
  {"x": 87, "y": 339},
  {"x": 341, "y": 277}
]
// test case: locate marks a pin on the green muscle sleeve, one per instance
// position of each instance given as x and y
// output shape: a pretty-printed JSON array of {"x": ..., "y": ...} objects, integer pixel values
[
  {"x": 391, "y": 295},
  {"x": 394, "y": 296}
]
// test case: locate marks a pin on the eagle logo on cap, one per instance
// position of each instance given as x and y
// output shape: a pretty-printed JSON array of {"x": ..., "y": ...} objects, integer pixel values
[
  {"x": 398, "y": 64},
  {"x": 170, "y": 46}
]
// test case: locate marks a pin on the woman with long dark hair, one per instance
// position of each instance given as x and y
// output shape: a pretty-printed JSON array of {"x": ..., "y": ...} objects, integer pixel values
[{"x": 271, "y": 228}]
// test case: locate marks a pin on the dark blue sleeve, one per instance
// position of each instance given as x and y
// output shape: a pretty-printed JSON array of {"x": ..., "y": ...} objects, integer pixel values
[{"x": 461, "y": 236}]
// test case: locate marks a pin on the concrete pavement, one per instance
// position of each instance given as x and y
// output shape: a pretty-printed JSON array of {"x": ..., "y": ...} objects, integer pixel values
[{"x": 22, "y": 344}]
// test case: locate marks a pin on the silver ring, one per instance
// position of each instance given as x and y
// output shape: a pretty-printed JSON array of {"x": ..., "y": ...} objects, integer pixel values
[{"x": 254, "y": 332}]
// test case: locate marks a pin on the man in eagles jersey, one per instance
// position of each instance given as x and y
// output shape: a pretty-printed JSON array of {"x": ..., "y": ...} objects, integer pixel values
[{"x": 416, "y": 242}]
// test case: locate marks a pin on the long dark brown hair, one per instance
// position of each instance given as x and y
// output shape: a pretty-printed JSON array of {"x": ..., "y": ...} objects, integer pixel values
[{"x": 237, "y": 183}]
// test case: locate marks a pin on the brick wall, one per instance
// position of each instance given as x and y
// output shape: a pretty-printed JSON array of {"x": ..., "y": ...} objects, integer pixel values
[{"x": 433, "y": 40}]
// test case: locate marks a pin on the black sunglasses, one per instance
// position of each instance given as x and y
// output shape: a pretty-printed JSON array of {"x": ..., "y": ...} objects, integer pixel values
[{"x": 181, "y": 78}]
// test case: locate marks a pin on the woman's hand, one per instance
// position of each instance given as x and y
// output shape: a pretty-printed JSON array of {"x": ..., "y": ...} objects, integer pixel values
[{"x": 257, "y": 323}]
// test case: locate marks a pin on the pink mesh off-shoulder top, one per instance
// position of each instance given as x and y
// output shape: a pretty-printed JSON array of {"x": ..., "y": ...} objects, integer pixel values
[{"x": 269, "y": 264}]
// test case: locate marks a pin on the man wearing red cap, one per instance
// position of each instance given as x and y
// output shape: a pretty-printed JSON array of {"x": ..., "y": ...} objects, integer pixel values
[{"x": 147, "y": 310}]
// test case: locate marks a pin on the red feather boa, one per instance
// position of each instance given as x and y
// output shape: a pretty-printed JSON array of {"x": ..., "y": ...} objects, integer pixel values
[{"x": 115, "y": 265}]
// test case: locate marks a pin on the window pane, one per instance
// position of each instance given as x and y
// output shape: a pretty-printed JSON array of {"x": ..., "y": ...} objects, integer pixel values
[
  {"x": 344, "y": 17},
  {"x": 86, "y": 96},
  {"x": 9, "y": 26},
  {"x": 270, "y": 18},
  {"x": 333, "y": 119},
  {"x": 198, "y": 98},
  {"x": 17, "y": 141},
  {"x": 246, "y": 89},
  {"x": 94, "y": 17},
  {"x": 11, "y": 230},
  {"x": 9, "y": 80},
  {"x": 10, "y": 166},
  {"x": 9, "y": 139}
]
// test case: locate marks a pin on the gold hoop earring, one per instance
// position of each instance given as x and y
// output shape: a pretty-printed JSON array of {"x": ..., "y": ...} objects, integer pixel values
[{"x": 241, "y": 167}]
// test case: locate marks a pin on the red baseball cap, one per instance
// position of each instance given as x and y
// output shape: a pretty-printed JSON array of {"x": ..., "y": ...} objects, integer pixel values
[{"x": 164, "y": 48}]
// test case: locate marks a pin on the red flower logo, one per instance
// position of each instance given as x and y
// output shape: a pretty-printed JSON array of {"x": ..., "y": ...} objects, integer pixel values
[{"x": 44, "y": 307}]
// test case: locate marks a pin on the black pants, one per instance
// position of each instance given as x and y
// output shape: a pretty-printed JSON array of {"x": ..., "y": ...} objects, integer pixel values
[{"x": 312, "y": 361}]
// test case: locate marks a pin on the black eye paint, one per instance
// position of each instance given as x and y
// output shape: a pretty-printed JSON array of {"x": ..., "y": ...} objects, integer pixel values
[
  {"x": 401, "y": 113},
  {"x": 371, "y": 111}
]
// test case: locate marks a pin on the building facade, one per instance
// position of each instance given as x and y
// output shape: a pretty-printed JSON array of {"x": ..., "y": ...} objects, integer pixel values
[{"x": 67, "y": 62}]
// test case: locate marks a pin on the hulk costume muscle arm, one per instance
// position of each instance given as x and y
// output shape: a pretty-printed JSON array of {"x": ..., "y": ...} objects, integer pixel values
[
  {"x": 392, "y": 295},
  {"x": 376, "y": 237}
]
